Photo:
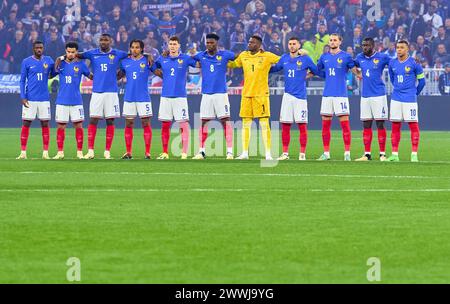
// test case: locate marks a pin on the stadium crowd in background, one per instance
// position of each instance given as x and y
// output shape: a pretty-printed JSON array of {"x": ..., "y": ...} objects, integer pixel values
[{"x": 425, "y": 23}]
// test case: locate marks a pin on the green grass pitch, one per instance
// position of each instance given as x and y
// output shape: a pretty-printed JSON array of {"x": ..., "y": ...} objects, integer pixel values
[{"x": 218, "y": 221}]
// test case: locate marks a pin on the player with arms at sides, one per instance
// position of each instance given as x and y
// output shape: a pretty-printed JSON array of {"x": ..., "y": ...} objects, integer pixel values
[
  {"x": 334, "y": 66},
  {"x": 215, "y": 101},
  {"x": 173, "y": 104},
  {"x": 69, "y": 104},
  {"x": 34, "y": 75},
  {"x": 373, "y": 96},
  {"x": 403, "y": 72},
  {"x": 137, "y": 101},
  {"x": 294, "y": 107},
  {"x": 255, "y": 102},
  {"x": 104, "y": 100}
]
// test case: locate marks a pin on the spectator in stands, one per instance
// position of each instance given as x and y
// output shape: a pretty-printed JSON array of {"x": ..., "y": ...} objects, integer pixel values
[
  {"x": 441, "y": 54},
  {"x": 279, "y": 17},
  {"x": 390, "y": 30},
  {"x": 293, "y": 15},
  {"x": 416, "y": 26},
  {"x": 275, "y": 46},
  {"x": 55, "y": 47},
  {"x": 400, "y": 33},
  {"x": 391, "y": 52},
  {"x": 124, "y": 42},
  {"x": 238, "y": 29},
  {"x": 357, "y": 40},
  {"x": 133, "y": 11},
  {"x": 336, "y": 22},
  {"x": 360, "y": 18},
  {"x": 423, "y": 49},
  {"x": 240, "y": 44},
  {"x": 447, "y": 27},
  {"x": 167, "y": 24},
  {"x": 18, "y": 52},
  {"x": 433, "y": 19},
  {"x": 444, "y": 81},
  {"x": 441, "y": 38},
  {"x": 194, "y": 39},
  {"x": 150, "y": 40},
  {"x": 322, "y": 38},
  {"x": 260, "y": 11}
]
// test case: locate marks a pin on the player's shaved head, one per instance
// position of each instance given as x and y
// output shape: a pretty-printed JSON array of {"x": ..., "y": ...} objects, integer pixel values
[
  {"x": 368, "y": 45},
  {"x": 105, "y": 42},
  {"x": 213, "y": 36},
  {"x": 254, "y": 44},
  {"x": 38, "y": 48}
]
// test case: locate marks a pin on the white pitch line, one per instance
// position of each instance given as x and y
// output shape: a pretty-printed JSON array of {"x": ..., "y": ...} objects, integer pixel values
[
  {"x": 219, "y": 190},
  {"x": 208, "y": 174},
  {"x": 379, "y": 190},
  {"x": 212, "y": 158}
]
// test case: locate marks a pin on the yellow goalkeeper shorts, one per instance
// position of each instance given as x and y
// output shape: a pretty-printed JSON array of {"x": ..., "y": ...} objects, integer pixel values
[{"x": 255, "y": 107}]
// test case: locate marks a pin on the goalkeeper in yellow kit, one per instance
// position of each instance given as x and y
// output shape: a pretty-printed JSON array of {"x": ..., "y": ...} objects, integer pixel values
[{"x": 255, "y": 101}]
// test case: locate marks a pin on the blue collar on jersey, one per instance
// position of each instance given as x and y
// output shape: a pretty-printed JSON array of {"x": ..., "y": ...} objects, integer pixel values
[
  {"x": 371, "y": 56},
  {"x": 403, "y": 60}
]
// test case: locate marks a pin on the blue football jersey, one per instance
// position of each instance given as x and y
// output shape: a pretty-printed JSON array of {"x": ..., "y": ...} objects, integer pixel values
[
  {"x": 34, "y": 75},
  {"x": 175, "y": 71},
  {"x": 295, "y": 72},
  {"x": 334, "y": 68},
  {"x": 137, "y": 72},
  {"x": 104, "y": 67},
  {"x": 70, "y": 75},
  {"x": 372, "y": 73},
  {"x": 214, "y": 70},
  {"x": 403, "y": 76}
]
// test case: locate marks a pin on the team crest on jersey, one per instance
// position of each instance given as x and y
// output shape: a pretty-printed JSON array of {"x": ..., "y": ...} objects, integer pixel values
[
  {"x": 407, "y": 69},
  {"x": 76, "y": 69},
  {"x": 111, "y": 58},
  {"x": 299, "y": 64},
  {"x": 142, "y": 65},
  {"x": 45, "y": 65},
  {"x": 219, "y": 58},
  {"x": 180, "y": 61},
  {"x": 376, "y": 61}
]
